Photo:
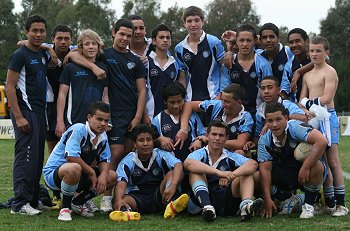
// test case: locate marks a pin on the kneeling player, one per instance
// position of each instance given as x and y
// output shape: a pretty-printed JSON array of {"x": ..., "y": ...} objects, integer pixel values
[
  {"x": 222, "y": 181},
  {"x": 68, "y": 168},
  {"x": 147, "y": 180},
  {"x": 280, "y": 173}
]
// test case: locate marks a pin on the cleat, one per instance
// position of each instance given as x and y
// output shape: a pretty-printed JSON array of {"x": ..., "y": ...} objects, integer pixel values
[
  {"x": 293, "y": 204},
  {"x": 307, "y": 211},
  {"x": 252, "y": 209},
  {"x": 320, "y": 209},
  {"x": 91, "y": 206},
  {"x": 124, "y": 216},
  {"x": 174, "y": 207},
  {"x": 106, "y": 205},
  {"x": 340, "y": 211},
  {"x": 82, "y": 210},
  {"x": 208, "y": 213},
  {"x": 27, "y": 210},
  {"x": 56, "y": 203},
  {"x": 65, "y": 215}
]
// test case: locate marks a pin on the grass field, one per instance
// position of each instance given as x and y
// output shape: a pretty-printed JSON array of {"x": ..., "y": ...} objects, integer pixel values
[{"x": 48, "y": 220}]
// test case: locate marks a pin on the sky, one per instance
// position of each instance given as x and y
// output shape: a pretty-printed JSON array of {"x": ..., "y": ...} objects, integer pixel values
[{"x": 306, "y": 14}]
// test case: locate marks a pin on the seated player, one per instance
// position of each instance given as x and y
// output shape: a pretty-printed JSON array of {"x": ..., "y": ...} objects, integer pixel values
[
  {"x": 222, "y": 181},
  {"x": 280, "y": 173},
  {"x": 168, "y": 122},
  {"x": 68, "y": 168},
  {"x": 229, "y": 110},
  {"x": 148, "y": 179}
]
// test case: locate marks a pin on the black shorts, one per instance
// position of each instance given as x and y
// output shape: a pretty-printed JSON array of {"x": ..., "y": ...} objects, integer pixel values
[
  {"x": 120, "y": 121},
  {"x": 222, "y": 200},
  {"x": 148, "y": 203},
  {"x": 284, "y": 177},
  {"x": 51, "y": 136}
]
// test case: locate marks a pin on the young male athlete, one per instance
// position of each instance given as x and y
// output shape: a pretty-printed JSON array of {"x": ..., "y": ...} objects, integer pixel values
[
  {"x": 280, "y": 173},
  {"x": 69, "y": 167},
  {"x": 148, "y": 179},
  {"x": 26, "y": 91},
  {"x": 80, "y": 84},
  {"x": 222, "y": 181},
  {"x": 200, "y": 56},
  {"x": 319, "y": 87}
]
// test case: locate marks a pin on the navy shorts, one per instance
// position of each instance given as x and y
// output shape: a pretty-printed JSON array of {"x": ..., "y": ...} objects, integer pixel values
[
  {"x": 149, "y": 203},
  {"x": 120, "y": 121}
]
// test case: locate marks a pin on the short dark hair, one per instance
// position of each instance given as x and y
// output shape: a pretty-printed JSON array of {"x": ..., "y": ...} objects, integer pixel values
[
  {"x": 275, "y": 107},
  {"x": 98, "y": 106},
  {"x": 270, "y": 26},
  {"x": 123, "y": 23},
  {"x": 160, "y": 27},
  {"x": 172, "y": 89},
  {"x": 61, "y": 28},
  {"x": 142, "y": 128},
  {"x": 246, "y": 27},
  {"x": 236, "y": 90},
  {"x": 299, "y": 31},
  {"x": 193, "y": 11},
  {"x": 218, "y": 124},
  {"x": 277, "y": 82},
  {"x": 320, "y": 40},
  {"x": 135, "y": 17},
  {"x": 33, "y": 19}
]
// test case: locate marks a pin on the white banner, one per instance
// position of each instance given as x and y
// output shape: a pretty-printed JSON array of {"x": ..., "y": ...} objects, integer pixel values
[{"x": 6, "y": 129}]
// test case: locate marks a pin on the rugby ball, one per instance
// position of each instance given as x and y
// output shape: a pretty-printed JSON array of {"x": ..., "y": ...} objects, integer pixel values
[{"x": 302, "y": 151}]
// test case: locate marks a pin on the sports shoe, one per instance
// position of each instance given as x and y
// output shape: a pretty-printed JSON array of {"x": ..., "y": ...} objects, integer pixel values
[
  {"x": 307, "y": 211},
  {"x": 43, "y": 207},
  {"x": 320, "y": 209},
  {"x": 56, "y": 203},
  {"x": 293, "y": 204},
  {"x": 27, "y": 210},
  {"x": 91, "y": 206},
  {"x": 106, "y": 205},
  {"x": 65, "y": 215},
  {"x": 124, "y": 216},
  {"x": 252, "y": 209},
  {"x": 82, "y": 210},
  {"x": 176, "y": 206},
  {"x": 208, "y": 213},
  {"x": 340, "y": 211}
]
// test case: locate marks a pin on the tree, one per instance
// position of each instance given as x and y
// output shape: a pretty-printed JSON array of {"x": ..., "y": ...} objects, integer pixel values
[
  {"x": 283, "y": 35},
  {"x": 8, "y": 34},
  {"x": 336, "y": 28},
  {"x": 229, "y": 14}
]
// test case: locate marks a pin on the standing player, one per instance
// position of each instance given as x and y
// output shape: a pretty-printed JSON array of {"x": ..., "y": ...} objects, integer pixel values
[
  {"x": 148, "y": 179},
  {"x": 69, "y": 167},
  {"x": 200, "y": 56},
  {"x": 319, "y": 87},
  {"x": 222, "y": 181},
  {"x": 26, "y": 91},
  {"x": 81, "y": 84}
]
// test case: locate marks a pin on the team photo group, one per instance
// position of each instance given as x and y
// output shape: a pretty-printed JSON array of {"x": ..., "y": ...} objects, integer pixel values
[{"x": 238, "y": 126}]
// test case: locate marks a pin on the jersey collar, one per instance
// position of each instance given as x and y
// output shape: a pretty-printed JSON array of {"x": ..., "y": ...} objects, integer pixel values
[
  {"x": 187, "y": 46},
  {"x": 277, "y": 142},
  {"x": 170, "y": 61},
  {"x": 237, "y": 118},
  {"x": 93, "y": 136},
  {"x": 138, "y": 162},
  {"x": 261, "y": 109},
  {"x": 148, "y": 41},
  {"x": 223, "y": 156}
]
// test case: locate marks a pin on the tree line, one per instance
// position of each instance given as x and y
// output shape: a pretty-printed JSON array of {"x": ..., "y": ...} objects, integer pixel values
[{"x": 220, "y": 16}]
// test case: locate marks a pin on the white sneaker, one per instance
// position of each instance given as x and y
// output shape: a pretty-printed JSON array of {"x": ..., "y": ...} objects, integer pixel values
[
  {"x": 106, "y": 205},
  {"x": 340, "y": 211},
  {"x": 82, "y": 210},
  {"x": 319, "y": 209},
  {"x": 27, "y": 210},
  {"x": 293, "y": 204},
  {"x": 208, "y": 213},
  {"x": 307, "y": 211},
  {"x": 91, "y": 206},
  {"x": 65, "y": 215}
]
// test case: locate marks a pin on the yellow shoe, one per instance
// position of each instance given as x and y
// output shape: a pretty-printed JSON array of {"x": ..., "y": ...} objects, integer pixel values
[
  {"x": 124, "y": 216},
  {"x": 56, "y": 203},
  {"x": 176, "y": 206}
]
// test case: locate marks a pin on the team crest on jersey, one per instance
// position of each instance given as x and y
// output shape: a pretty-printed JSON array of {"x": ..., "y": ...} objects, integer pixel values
[
  {"x": 187, "y": 56},
  {"x": 85, "y": 148},
  {"x": 223, "y": 168},
  {"x": 253, "y": 75},
  {"x": 205, "y": 54},
  {"x": 166, "y": 127},
  {"x": 156, "y": 171},
  {"x": 234, "y": 74},
  {"x": 131, "y": 65},
  {"x": 233, "y": 129},
  {"x": 280, "y": 67},
  {"x": 292, "y": 144},
  {"x": 172, "y": 74},
  {"x": 112, "y": 61},
  {"x": 153, "y": 72},
  {"x": 34, "y": 61},
  {"x": 137, "y": 172},
  {"x": 43, "y": 60}
]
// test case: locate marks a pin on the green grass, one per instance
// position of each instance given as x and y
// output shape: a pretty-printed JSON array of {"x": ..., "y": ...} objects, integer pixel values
[{"x": 48, "y": 220}]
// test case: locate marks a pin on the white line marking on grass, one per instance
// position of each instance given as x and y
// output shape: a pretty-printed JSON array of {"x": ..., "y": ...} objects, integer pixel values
[{"x": 346, "y": 175}]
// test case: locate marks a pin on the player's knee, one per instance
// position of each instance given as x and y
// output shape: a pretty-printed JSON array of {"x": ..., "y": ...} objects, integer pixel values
[{"x": 72, "y": 171}]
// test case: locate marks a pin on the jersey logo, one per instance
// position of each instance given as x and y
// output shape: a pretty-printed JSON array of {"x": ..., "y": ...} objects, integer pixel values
[
  {"x": 85, "y": 148},
  {"x": 153, "y": 72},
  {"x": 172, "y": 74},
  {"x": 233, "y": 129},
  {"x": 205, "y": 54},
  {"x": 187, "y": 56},
  {"x": 131, "y": 65},
  {"x": 156, "y": 171},
  {"x": 137, "y": 172},
  {"x": 234, "y": 74},
  {"x": 223, "y": 168},
  {"x": 281, "y": 67},
  {"x": 34, "y": 61},
  {"x": 253, "y": 75},
  {"x": 112, "y": 61},
  {"x": 80, "y": 73},
  {"x": 166, "y": 127},
  {"x": 292, "y": 144}
]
